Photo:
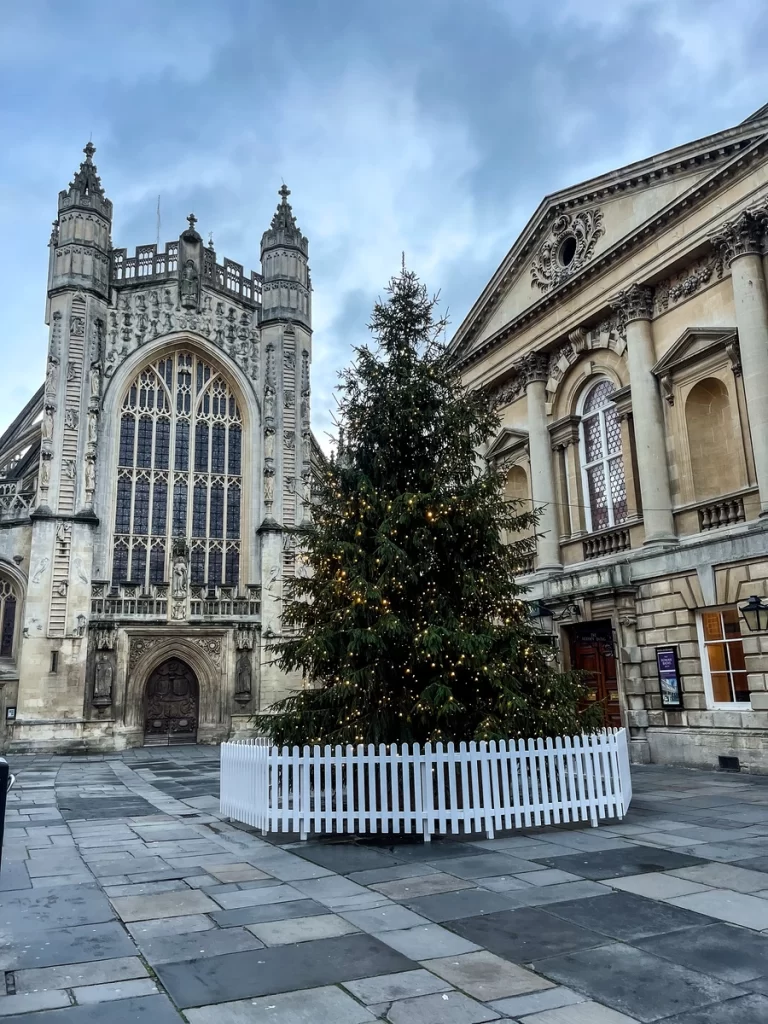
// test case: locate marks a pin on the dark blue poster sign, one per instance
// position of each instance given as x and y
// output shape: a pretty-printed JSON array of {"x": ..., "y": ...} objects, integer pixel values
[{"x": 669, "y": 678}]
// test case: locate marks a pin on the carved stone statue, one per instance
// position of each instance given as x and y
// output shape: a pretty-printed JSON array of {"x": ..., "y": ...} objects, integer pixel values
[
  {"x": 189, "y": 285},
  {"x": 269, "y": 444},
  {"x": 70, "y": 419},
  {"x": 243, "y": 680},
  {"x": 90, "y": 475},
  {"x": 45, "y": 473},
  {"x": 102, "y": 686},
  {"x": 269, "y": 404},
  {"x": 48, "y": 423},
  {"x": 95, "y": 382},
  {"x": 93, "y": 426},
  {"x": 269, "y": 488},
  {"x": 50, "y": 376},
  {"x": 180, "y": 574}
]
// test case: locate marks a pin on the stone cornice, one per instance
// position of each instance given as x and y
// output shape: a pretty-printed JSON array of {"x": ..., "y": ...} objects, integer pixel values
[
  {"x": 745, "y": 151},
  {"x": 564, "y": 432}
]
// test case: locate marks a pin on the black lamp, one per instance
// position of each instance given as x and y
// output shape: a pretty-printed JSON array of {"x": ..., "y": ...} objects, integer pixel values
[
  {"x": 545, "y": 616},
  {"x": 755, "y": 614}
]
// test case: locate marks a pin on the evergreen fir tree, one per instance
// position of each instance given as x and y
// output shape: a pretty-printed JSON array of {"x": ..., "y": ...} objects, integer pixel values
[{"x": 410, "y": 626}]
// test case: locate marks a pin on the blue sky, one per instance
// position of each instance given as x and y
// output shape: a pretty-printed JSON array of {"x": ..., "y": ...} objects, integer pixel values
[{"x": 429, "y": 126}]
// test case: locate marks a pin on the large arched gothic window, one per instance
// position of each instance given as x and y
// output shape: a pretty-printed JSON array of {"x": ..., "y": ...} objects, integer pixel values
[
  {"x": 7, "y": 618},
  {"x": 179, "y": 474},
  {"x": 601, "y": 458}
]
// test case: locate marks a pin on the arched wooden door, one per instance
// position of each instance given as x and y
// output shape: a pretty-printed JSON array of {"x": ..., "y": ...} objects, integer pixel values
[{"x": 171, "y": 704}]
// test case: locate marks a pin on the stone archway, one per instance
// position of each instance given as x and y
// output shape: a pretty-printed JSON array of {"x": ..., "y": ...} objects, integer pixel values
[{"x": 171, "y": 704}]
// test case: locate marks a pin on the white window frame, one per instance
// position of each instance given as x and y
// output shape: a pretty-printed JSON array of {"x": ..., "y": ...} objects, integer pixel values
[
  {"x": 604, "y": 461},
  {"x": 712, "y": 704}
]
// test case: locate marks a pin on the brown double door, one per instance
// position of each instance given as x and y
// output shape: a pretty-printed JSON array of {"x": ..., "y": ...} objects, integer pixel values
[
  {"x": 171, "y": 704},
  {"x": 592, "y": 652}
]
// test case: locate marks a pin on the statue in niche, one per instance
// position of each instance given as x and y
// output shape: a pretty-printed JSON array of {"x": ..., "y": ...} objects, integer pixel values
[
  {"x": 48, "y": 423},
  {"x": 45, "y": 472},
  {"x": 93, "y": 423},
  {"x": 90, "y": 475},
  {"x": 180, "y": 577},
  {"x": 269, "y": 444},
  {"x": 269, "y": 487},
  {"x": 243, "y": 680},
  {"x": 95, "y": 381},
  {"x": 102, "y": 686},
  {"x": 269, "y": 404},
  {"x": 50, "y": 377},
  {"x": 189, "y": 285}
]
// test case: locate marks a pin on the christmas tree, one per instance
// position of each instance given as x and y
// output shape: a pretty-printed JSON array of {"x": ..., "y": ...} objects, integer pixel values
[{"x": 409, "y": 624}]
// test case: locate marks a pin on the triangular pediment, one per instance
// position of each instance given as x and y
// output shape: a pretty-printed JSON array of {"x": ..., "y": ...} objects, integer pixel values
[
  {"x": 580, "y": 229},
  {"x": 508, "y": 442},
  {"x": 695, "y": 344}
]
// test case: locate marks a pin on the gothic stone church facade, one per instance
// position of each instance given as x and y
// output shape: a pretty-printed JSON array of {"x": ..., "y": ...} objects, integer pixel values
[{"x": 148, "y": 489}]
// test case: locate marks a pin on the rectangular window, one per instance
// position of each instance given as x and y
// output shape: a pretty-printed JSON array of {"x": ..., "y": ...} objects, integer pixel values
[
  {"x": 722, "y": 657},
  {"x": 54, "y": 661}
]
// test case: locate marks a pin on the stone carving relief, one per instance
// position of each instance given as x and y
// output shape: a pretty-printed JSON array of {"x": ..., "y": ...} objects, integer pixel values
[
  {"x": 76, "y": 326},
  {"x": 105, "y": 637},
  {"x": 70, "y": 468},
  {"x": 568, "y": 245},
  {"x": 681, "y": 286},
  {"x": 140, "y": 645},
  {"x": 51, "y": 375},
  {"x": 79, "y": 569},
  {"x": 142, "y": 316},
  {"x": 244, "y": 637},
  {"x": 42, "y": 565},
  {"x": 71, "y": 371},
  {"x": 70, "y": 419},
  {"x": 90, "y": 479},
  {"x": 80, "y": 626}
]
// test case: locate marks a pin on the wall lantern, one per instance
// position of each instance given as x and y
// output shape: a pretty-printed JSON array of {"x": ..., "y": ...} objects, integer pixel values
[{"x": 755, "y": 614}]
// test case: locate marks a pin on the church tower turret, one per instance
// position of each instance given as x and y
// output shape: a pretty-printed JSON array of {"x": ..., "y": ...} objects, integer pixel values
[{"x": 284, "y": 252}]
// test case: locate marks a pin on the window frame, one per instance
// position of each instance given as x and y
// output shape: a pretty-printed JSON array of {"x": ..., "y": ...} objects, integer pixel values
[
  {"x": 209, "y": 383},
  {"x": 13, "y": 595},
  {"x": 605, "y": 460},
  {"x": 712, "y": 704}
]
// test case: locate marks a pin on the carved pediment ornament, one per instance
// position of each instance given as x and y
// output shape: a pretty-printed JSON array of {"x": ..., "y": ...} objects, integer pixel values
[
  {"x": 690, "y": 348},
  {"x": 568, "y": 245}
]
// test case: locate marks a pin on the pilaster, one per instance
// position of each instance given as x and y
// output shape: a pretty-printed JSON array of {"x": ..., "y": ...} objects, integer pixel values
[{"x": 533, "y": 369}]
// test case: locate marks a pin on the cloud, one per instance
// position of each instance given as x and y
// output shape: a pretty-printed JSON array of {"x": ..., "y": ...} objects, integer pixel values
[{"x": 418, "y": 126}]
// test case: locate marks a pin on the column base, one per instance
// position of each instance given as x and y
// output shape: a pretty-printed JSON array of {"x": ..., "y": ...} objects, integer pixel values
[{"x": 664, "y": 540}]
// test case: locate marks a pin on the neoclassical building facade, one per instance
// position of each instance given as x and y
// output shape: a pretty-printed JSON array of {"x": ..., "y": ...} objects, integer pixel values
[
  {"x": 148, "y": 490},
  {"x": 625, "y": 339}
]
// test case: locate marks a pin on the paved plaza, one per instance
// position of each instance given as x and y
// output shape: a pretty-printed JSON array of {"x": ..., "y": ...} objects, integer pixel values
[{"x": 125, "y": 898}]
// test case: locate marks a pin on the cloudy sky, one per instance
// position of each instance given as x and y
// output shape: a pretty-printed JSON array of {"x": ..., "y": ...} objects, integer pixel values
[{"x": 429, "y": 126}]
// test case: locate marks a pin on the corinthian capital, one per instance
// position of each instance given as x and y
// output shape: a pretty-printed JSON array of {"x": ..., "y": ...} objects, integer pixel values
[
  {"x": 533, "y": 367},
  {"x": 635, "y": 302},
  {"x": 741, "y": 236}
]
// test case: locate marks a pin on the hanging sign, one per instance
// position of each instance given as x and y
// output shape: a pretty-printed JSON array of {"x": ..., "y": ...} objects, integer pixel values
[{"x": 669, "y": 678}]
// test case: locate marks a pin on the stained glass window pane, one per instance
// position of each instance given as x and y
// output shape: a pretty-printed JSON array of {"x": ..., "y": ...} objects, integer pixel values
[
  {"x": 233, "y": 511},
  {"x": 233, "y": 567},
  {"x": 157, "y": 564},
  {"x": 120, "y": 564},
  {"x": 593, "y": 438},
  {"x": 235, "y": 439},
  {"x": 182, "y": 445},
  {"x": 597, "y": 497},
  {"x": 197, "y": 566},
  {"x": 218, "y": 448},
  {"x": 141, "y": 507},
  {"x": 618, "y": 489},
  {"x": 599, "y": 396},
  {"x": 127, "y": 429},
  {"x": 201, "y": 448},
  {"x": 179, "y": 510},
  {"x": 7, "y": 626},
  {"x": 217, "y": 511},
  {"x": 214, "y": 569},
  {"x": 612, "y": 430},
  {"x": 139, "y": 565},
  {"x": 123, "y": 512},
  {"x": 162, "y": 443},
  {"x": 160, "y": 508},
  {"x": 144, "y": 445},
  {"x": 199, "y": 510}
]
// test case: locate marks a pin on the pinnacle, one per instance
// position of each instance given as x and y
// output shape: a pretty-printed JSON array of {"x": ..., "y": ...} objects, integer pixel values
[{"x": 86, "y": 179}]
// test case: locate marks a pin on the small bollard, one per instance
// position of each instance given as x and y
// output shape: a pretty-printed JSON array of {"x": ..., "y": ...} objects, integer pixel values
[{"x": 6, "y": 781}]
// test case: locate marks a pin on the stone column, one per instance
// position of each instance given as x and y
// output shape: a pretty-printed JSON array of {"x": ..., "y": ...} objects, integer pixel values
[
  {"x": 740, "y": 241},
  {"x": 534, "y": 372},
  {"x": 637, "y": 305}
]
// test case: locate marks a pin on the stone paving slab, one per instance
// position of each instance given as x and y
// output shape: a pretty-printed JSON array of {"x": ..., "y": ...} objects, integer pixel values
[
  {"x": 281, "y": 969},
  {"x": 634, "y": 982},
  {"x": 389, "y": 987},
  {"x": 527, "y": 934},
  {"x": 487, "y": 977},
  {"x": 301, "y": 929},
  {"x": 447, "y": 1008},
  {"x": 328, "y": 1006},
  {"x": 95, "y": 972},
  {"x": 155, "y": 1009}
]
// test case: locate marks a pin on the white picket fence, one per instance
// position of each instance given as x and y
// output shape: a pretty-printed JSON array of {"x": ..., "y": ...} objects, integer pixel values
[{"x": 475, "y": 787}]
